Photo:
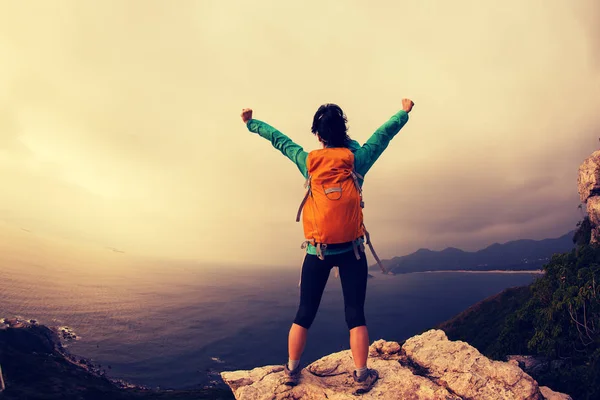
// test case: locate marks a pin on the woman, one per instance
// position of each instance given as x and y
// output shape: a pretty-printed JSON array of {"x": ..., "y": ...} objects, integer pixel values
[{"x": 329, "y": 126}]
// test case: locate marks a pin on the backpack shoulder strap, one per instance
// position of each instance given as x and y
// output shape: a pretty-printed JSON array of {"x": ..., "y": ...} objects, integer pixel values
[
  {"x": 355, "y": 177},
  {"x": 307, "y": 187}
]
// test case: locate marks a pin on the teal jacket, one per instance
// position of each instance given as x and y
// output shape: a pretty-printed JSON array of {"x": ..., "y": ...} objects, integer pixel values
[{"x": 364, "y": 156}]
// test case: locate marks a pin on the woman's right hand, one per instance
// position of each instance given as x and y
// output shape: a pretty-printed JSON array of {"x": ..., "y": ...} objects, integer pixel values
[
  {"x": 246, "y": 114},
  {"x": 407, "y": 105}
]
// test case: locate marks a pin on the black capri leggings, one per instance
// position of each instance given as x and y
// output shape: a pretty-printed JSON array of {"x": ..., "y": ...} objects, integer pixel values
[{"x": 353, "y": 274}]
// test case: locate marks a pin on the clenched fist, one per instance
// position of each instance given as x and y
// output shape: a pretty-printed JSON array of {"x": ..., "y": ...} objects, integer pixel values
[
  {"x": 407, "y": 105},
  {"x": 246, "y": 114}
]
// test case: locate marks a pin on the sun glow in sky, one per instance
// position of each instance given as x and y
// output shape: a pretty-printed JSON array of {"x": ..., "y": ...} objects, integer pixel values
[{"x": 119, "y": 121}]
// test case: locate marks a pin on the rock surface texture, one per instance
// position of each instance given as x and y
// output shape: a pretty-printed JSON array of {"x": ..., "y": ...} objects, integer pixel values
[
  {"x": 426, "y": 367},
  {"x": 588, "y": 185}
]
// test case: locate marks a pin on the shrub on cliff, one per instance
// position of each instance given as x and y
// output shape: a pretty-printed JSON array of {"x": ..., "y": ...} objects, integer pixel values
[{"x": 561, "y": 319}]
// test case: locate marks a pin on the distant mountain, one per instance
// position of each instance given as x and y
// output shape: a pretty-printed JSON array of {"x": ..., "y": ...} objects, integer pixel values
[{"x": 518, "y": 255}]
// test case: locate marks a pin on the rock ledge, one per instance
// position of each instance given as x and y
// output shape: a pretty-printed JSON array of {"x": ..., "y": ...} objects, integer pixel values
[{"x": 426, "y": 367}]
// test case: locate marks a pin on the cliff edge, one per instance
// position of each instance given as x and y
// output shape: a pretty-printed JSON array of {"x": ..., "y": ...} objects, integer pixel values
[{"x": 425, "y": 367}]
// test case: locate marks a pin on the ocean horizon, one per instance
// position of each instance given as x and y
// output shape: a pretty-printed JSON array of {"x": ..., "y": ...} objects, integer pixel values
[{"x": 177, "y": 328}]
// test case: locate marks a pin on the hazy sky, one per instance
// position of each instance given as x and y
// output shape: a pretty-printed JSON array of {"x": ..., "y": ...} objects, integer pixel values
[{"x": 119, "y": 120}]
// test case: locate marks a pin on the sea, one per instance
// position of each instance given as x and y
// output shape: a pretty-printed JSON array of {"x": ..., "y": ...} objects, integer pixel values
[{"x": 177, "y": 327}]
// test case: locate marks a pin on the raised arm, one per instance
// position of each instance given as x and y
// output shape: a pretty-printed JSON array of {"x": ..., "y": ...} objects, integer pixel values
[
  {"x": 365, "y": 157},
  {"x": 280, "y": 141}
]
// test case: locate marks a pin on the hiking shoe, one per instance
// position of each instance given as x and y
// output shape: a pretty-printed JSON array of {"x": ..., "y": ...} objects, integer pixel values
[
  {"x": 365, "y": 382},
  {"x": 291, "y": 378}
]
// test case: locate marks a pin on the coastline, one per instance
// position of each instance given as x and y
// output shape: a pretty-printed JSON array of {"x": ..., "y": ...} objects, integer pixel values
[
  {"x": 467, "y": 271},
  {"x": 58, "y": 337},
  {"x": 39, "y": 363},
  {"x": 493, "y": 271}
]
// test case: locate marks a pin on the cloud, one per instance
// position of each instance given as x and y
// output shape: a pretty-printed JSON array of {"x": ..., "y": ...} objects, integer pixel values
[{"x": 127, "y": 133}]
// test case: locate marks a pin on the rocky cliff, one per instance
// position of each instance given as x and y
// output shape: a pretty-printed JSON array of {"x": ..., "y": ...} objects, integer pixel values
[
  {"x": 588, "y": 185},
  {"x": 425, "y": 367},
  {"x": 34, "y": 365}
]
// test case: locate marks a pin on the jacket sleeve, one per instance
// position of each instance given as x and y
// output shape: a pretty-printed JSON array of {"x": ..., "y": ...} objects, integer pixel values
[
  {"x": 365, "y": 157},
  {"x": 281, "y": 142}
]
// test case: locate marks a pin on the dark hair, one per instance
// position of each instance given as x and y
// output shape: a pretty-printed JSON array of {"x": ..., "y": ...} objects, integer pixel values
[{"x": 330, "y": 123}]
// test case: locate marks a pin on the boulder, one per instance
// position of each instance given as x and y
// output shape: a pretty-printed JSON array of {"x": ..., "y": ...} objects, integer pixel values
[{"x": 426, "y": 367}]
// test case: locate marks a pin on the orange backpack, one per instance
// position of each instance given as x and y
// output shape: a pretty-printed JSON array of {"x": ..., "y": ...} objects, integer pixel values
[{"x": 332, "y": 207}]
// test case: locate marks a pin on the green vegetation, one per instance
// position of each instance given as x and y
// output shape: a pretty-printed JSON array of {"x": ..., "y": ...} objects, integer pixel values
[{"x": 557, "y": 317}]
